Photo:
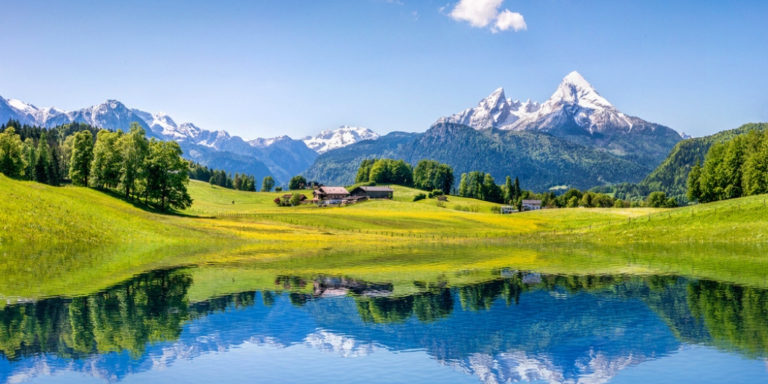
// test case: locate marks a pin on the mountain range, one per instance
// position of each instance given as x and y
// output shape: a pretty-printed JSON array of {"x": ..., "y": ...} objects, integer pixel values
[
  {"x": 576, "y": 138},
  {"x": 281, "y": 157}
]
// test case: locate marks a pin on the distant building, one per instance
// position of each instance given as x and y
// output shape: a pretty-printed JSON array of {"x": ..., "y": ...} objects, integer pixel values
[
  {"x": 332, "y": 195},
  {"x": 531, "y": 205},
  {"x": 373, "y": 192},
  {"x": 507, "y": 209}
]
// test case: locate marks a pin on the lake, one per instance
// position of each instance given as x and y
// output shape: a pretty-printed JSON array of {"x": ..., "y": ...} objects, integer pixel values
[{"x": 512, "y": 326}]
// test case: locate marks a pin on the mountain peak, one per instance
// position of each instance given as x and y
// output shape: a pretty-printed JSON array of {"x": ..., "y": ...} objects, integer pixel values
[
  {"x": 574, "y": 89},
  {"x": 577, "y": 79},
  {"x": 494, "y": 100}
]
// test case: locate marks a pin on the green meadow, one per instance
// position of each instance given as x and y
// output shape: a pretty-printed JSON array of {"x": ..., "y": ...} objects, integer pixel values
[{"x": 69, "y": 241}]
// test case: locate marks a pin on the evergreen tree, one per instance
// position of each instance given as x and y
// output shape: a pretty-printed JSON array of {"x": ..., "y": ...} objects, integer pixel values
[
  {"x": 42, "y": 161},
  {"x": 54, "y": 167},
  {"x": 517, "y": 190},
  {"x": 82, "y": 155}
]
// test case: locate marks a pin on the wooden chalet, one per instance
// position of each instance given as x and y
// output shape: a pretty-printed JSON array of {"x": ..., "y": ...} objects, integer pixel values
[
  {"x": 333, "y": 195},
  {"x": 373, "y": 192}
]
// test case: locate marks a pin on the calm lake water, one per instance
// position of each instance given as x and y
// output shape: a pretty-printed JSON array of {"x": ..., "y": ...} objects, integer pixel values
[{"x": 518, "y": 327}]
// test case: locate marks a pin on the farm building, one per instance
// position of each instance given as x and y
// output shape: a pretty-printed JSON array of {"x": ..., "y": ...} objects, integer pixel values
[
  {"x": 531, "y": 205},
  {"x": 331, "y": 194},
  {"x": 506, "y": 209},
  {"x": 373, "y": 192}
]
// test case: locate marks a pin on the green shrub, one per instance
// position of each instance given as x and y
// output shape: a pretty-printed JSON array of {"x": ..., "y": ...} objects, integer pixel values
[{"x": 419, "y": 196}]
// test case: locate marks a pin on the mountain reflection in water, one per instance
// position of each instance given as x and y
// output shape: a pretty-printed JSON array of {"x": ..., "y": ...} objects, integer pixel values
[{"x": 518, "y": 327}]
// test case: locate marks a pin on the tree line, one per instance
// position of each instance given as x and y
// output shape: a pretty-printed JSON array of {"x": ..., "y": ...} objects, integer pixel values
[
  {"x": 240, "y": 182},
  {"x": 127, "y": 163},
  {"x": 734, "y": 168}
]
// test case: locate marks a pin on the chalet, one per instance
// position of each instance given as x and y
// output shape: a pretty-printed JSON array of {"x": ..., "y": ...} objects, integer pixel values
[
  {"x": 505, "y": 209},
  {"x": 373, "y": 192},
  {"x": 332, "y": 195},
  {"x": 531, "y": 205}
]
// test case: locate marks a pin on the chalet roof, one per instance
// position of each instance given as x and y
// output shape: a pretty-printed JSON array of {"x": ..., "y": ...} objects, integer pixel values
[
  {"x": 532, "y": 202},
  {"x": 333, "y": 190},
  {"x": 375, "y": 189}
]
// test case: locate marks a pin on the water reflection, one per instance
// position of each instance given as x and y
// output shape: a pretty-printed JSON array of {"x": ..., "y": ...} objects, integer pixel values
[{"x": 518, "y": 327}]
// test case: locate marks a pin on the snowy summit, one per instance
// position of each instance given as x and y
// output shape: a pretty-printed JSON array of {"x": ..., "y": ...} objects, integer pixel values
[{"x": 337, "y": 138}]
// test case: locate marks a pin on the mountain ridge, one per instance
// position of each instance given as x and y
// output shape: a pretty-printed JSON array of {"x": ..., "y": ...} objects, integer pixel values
[{"x": 281, "y": 157}]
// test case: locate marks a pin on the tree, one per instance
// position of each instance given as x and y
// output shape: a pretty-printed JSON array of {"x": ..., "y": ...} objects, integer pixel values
[
  {"x": 516, "y": 188},
  {"x": 82, "y": 155},
  {"x": 134, "y": 147},
  {"x": 491, "y": 191},
  {"x": 430, "y": 175},
  {"x": 380, "y": 172},
  {"x": 11, "y": 159},
  {"x": 364, "y": 171},
  {"x": 42, "y": 161},
  {"x": 29, "y": 153},
  {"x": 267, "y": 184},
  {"x": 694, "y": 188},
  {"x": 508, "y": 190},
  {"x": 297, "y": 182},
  {"x": 107, "y": 160},
  {"x": 657, "y": 199},
  {"x": 755, "y": 178},
  {"x": 167, "y": 175},
  {"x": 402, "y": 173}
]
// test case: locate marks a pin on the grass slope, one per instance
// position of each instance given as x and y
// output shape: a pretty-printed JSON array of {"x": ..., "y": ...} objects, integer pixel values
[{"x": 70, "y": 241}]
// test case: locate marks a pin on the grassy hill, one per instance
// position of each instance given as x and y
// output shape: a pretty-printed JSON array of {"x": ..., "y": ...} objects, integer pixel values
[{"x": 71, "y": 240}]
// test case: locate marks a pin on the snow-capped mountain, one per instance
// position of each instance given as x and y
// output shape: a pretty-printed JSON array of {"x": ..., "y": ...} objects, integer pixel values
[
  {"x": 575, "y": 111},
  {"x": 574, "y": 99},
  {"x": 110, "y": 114},
  {"x": 282, "y": 156},
  {"x": 343, "y": 136}
]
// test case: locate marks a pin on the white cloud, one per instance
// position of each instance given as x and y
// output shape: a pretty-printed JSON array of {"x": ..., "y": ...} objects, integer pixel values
[
  {"x": 479, "y": 13},
  {"x": 508, "y": 19},
  {"x": 482, "y": 13}
]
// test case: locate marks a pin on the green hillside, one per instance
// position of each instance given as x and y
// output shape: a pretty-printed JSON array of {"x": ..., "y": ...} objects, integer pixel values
[{"x": 672, "y": 175}]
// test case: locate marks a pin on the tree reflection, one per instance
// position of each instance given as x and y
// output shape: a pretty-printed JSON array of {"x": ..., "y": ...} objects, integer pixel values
[
  {"x": 736, "y": 316},
  {"x": 149, "y": 308}
]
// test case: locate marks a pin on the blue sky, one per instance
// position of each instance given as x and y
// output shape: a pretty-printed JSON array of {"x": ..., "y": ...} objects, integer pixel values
[{"x": 264, "y": 68}]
